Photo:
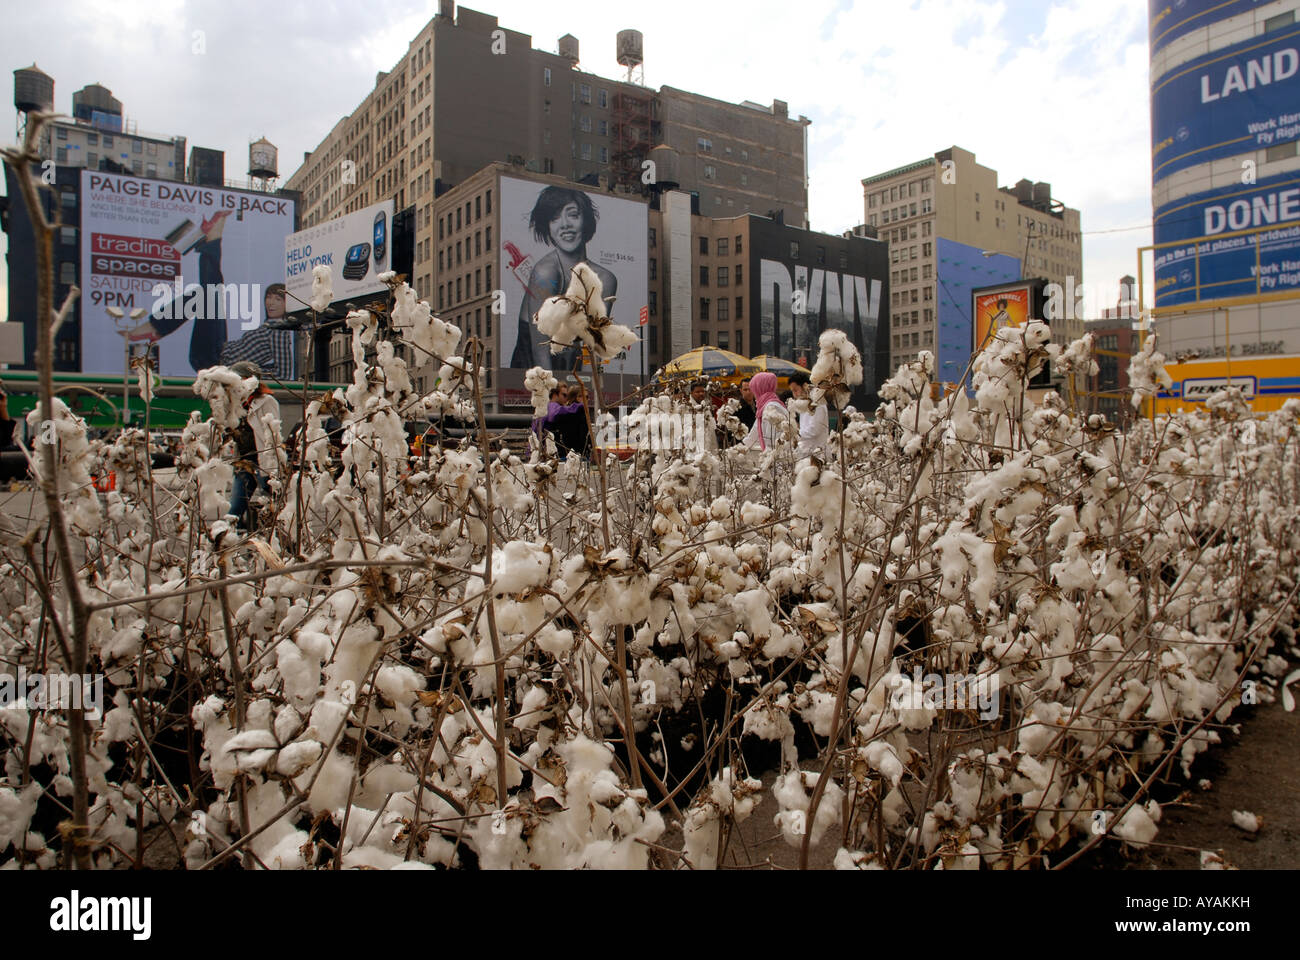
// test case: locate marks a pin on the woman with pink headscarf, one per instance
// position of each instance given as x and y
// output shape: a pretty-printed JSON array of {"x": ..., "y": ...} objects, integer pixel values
[{"x": 769, "y": 412}]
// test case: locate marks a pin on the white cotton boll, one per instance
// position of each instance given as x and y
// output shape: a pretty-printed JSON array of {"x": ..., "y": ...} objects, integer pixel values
[
  {"x": 540, "y": 382},
  {"x": 561, "y": 321},
  {"x": 1043, "y": 726},
  {"x": 1245, "y": 820},
  {"x": 1137, "y": 827},
  {"x": 613, "y": 339},
  {"x": 301, "y": 676},
  {"x": 883, "y": 758},
  {"x": 322, "y": 290},
  {"x": 856, "y": 860},
  {"x": 297, "y": 757},
  {"x": 519, "y": 566}
]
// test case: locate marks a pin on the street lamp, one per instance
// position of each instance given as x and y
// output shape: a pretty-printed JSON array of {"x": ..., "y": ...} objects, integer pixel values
[{"x": 124, "y": 328}]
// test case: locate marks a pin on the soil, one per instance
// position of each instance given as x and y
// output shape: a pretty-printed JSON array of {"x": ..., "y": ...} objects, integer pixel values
[{"x": 1253, "y": 771}]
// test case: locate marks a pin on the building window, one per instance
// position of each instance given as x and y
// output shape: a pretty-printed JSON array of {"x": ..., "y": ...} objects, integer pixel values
[
  {"x": 740, "y": 314},
  {"x": 61, "y": 154},
  {"x": 654, "y": 269},
  {"x": 724, "y": 308},
  {"x": 704, "y": 246},
  {"x": 603, "y": 127},
  {"x": 724, "y": 337},
  {"x": 585, "y": 123},
  {"x": 654, "y": 303},
  {"x": 927, "y": 249},
  {"x": 1280, "y": 21},
  {"x": 794, "y": 250},
  {"x": 586, "y": 93},
  {"x": 478, "y": 208},
  {"x": 604, "y": 154},
  {"x": 844, "y": 261},
  {"x": 653, "y": 237},
  {"x": 724, "y": 276},
  {"x": 710, "y": 172},
  {"x": 704, "y": 276},
  {"x": 704, "y": 144},
  {"x": 1282, "y": 152},
  {"x": 61, "y": 133},
  {"x": 740, "y": 274},
  {"x": 738, "y": 250},
  {"x": 704, "y": 309},
  {"x": 67, "y": 272},
  {"x": 478, "y": 282},
  {"x": 704, "y": 338},
  {"x": 602, "y": 98},
  {"x": 68, "y": 235},
  {"x": 92, "y": 159},
  {"x": 586, "y": 151},
  {"x": 546, "y": 76}
]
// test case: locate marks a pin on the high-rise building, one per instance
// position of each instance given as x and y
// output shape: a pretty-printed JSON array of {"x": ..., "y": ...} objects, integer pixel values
[
  {"x": 951, "y": 197},
  {"x": 1225, "y": 185},
  {"x": 469, "y": 93}
]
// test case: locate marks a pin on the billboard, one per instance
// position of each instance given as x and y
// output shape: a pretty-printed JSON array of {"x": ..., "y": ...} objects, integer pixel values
[
  {"x": 1266, "y": 382},
  {"x": 802, "y": 283},
  {"x": 962, "y": 268},
  {"x": 357, "y": 247},
  {"x": 1171, "y": 19},
  {"x": 201, "y": 261},
  {"x": 546, "y": 230},
  {"x": 1226, "y": 267},
  {"x": 1240, "y": 99},
  {"x": 1007, "y": 305}
]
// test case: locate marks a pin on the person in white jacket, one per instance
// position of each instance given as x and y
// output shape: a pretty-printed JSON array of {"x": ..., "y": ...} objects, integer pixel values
[{"x": 814, "y": 427}]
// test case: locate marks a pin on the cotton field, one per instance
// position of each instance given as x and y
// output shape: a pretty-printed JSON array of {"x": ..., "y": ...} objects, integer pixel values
[{"x": 975, "y": 637}]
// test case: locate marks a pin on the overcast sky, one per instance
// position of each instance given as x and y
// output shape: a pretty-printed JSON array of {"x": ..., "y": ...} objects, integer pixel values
[{"x": 1051, "y": 90}]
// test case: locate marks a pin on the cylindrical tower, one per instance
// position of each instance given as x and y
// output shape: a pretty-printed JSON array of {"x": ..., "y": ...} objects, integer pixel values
[
  {"x": 630, "y": 49},
  {"x": 1225, "y": 176}
]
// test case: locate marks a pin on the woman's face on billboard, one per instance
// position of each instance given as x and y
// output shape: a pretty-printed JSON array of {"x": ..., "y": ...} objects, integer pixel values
[{"x": 566, "y": 228}]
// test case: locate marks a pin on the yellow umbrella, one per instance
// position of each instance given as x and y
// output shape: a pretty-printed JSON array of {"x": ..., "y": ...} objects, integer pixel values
[
  {"x": 712, "y": 362},
  {"x": 782, "y": 368}
]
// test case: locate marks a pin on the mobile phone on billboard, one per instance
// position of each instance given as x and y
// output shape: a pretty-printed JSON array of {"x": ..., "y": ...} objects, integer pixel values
[
  {"x": 381, "y": 238},
  {"x": 357, "y": 262}
]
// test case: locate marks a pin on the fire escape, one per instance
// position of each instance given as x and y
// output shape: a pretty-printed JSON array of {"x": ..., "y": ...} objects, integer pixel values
[{"x": 633, "y": 128}]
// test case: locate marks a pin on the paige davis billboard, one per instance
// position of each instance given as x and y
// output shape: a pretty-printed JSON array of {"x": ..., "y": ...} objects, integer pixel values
[
  {"x": 198, "y": 260},
  {"x": 546, "y": 230}
]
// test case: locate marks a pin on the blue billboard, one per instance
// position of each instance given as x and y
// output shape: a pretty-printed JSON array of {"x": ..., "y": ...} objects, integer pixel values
[
  {"x": 1226, "y": 267},
  {"x": 1236, "y": 100},
  {"x": 962, "y": 268},
  {"x": 1171, "y": 19}
]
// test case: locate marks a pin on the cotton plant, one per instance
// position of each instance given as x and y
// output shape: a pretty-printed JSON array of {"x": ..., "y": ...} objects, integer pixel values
[{"x": 476, "y": 659}]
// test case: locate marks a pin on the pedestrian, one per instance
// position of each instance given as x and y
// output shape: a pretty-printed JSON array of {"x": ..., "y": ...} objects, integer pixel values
[
  {"x": 814, "y": 429},
  {"x": 746, "y": 413},
  {"x": 770, "y": 415},
  {"x": 569, "y": 424},
  {"x": 258, "y": 443}
]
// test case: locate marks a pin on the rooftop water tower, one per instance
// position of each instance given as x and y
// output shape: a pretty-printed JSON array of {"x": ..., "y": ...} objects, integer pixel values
[
  {"x": 630, "y": 47},
  {"x": 263, "y": 164},
  {"x": 33, "y": 93}
]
